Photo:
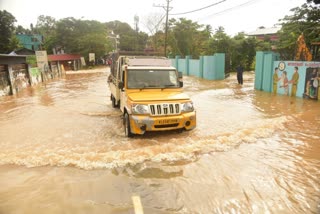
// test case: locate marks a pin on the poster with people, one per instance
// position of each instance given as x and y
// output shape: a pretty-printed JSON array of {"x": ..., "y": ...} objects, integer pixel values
[{"x": 297, "y": 79}]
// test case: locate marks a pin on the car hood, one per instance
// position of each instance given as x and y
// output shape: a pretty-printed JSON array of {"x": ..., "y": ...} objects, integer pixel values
[{"x": 157, "y": 96}]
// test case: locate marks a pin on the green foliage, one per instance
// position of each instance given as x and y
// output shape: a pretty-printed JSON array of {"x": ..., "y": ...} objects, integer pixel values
[
  {"x": 22, "y": 30},
  {"x": 306, "y": 20},
  {"x": 129, "y": 39},
  {"x": 31, "y": 60},
  {"x": 314, "y": 1},
  {"x": 220, "y": 42},
  {"x": 46, "y": 26},
  {"x": 157, "y": 43},
  {"x": 186, "y": 37},
  {"x": 7, "y": 42},
  {"x": 243, "y": 51},
  {"x": 14, "y": 43},
  {"x": 81, "y": 37},
  {"x": 91, "y": 43}
]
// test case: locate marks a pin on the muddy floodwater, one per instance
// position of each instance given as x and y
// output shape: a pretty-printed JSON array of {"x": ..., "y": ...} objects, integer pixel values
[{"x": 63, "y": 150}]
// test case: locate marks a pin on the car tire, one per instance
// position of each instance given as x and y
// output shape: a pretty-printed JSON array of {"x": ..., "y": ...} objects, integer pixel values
[{"x": 127, "y": 128}]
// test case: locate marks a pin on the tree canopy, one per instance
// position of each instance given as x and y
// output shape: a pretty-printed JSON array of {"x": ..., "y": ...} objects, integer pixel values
[
  {"x": 81, "y": 36},
  {"x": 306, "y": 20},
  {"x": 129, "y": 39},
  {"x": 185, "y": 37},
  {"x": 8, "y": 41}
]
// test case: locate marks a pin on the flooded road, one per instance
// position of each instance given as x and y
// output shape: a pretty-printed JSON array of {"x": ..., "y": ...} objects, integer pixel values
[{"x": 63, "y": 150}]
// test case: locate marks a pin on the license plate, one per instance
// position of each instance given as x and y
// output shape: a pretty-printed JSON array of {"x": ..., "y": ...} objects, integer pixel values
[{"x": 169, "y": 121}]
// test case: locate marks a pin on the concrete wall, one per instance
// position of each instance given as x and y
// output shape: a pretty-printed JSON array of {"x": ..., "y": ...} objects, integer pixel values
[
  {"x": 206, "y": 67},
  {"x": 305, "y": 83},
  {"x": 264, "y": 70},
  {"x": 35, "y": 76},
  {"x": 16, "y": 74}
]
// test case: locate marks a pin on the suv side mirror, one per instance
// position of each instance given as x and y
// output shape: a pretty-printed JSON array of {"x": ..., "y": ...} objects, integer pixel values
[
  {"x": 180, "y": 75},
  {"x": 120, "y": 85}
]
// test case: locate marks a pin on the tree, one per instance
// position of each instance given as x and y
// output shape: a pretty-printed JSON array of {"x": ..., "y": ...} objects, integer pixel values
[
  {"x": 154, "y": 22},
  {"x": 130, "y": 40},
  {"x": 264, "y": 45},
  {"x": 250, "y": 49},
  {"x": 7, "y": 38},
  {"x": 243, "y": 51},
  {"x": 314, "y": 1},
  {"x": 158, "y": 42},
  {"x": 82, "y": 36},
  {"x": 92, "y": 43},
  {"x": 186, "y": 37},
  {"x": 46, "y": 26},
  {"x": 220, "y": 42},
  {"x": 22, "y": 30},
  {"x": 306, "y": 20}
]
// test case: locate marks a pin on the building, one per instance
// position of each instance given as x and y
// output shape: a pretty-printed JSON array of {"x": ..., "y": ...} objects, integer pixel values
[
  {"x": 68, "y": 61},
  {"x": 23, "y": 51},
  {"x": 31, "y": 41},
  {"x": 14, "y": 74},
  {"x": 263, "y": 33}
]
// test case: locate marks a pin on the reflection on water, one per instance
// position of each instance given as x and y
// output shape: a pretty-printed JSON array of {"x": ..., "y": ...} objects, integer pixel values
[{"x": 63, "y": 149}]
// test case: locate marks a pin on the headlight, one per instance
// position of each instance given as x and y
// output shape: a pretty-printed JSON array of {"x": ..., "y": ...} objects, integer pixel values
[
  {"x": 140, "y": 109},
  {"x": 187, "y": 107}
]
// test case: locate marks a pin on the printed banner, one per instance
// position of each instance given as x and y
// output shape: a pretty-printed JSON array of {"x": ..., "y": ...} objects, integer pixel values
[
  {"x": 294, "y": 78},
  {"x": 42, "y": 61},
  {"x": 35, "y": 76}
]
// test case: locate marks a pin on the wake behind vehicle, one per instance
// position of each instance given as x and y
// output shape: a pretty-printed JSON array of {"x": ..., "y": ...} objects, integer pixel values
[{"x": 148, "y": 91}]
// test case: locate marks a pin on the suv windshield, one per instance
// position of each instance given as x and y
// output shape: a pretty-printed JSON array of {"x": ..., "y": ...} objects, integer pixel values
[{"x": 152, "y": 79}]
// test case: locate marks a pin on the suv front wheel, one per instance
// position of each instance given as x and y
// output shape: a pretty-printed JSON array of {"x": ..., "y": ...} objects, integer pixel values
[{"x": 126, "y": 123}]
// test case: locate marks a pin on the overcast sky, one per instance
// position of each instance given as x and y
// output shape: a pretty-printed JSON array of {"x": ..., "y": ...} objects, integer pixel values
[{"x": 234, "y": 15}]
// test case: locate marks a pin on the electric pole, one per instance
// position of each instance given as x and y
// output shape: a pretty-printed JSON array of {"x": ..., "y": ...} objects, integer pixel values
[
  {"x": 166, "y": 8},
  {"x": 166, "y": 31}
]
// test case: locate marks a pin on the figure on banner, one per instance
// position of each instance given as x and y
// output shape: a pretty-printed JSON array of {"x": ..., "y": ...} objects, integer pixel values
[
  {"x": 275, "y": 80},
  {"x": 284, "y": 82},
  {"x": 294, "y": 81},
  {"x": 312, "y": 84}
]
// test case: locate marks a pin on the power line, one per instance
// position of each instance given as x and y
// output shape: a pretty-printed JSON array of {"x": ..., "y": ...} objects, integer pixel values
[
  {"x": 231, "y": 8},
  {"x": 174, "y": 14}
]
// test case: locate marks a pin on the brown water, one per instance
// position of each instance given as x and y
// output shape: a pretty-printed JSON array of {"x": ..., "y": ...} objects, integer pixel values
[{"x": 63, "y": 150}]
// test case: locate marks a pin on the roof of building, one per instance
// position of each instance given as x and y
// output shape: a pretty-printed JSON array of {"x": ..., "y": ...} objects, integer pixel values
[
  {"x": 148, "y": 61},
  {"x": 12, "y": 55},
  {"x": 265, "y": 31},
  {"x": 23, "y": 51},
  {"x": 63, "y": 57}
]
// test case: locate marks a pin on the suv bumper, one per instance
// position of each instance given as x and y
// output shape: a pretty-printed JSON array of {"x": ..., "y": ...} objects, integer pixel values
[{"x": 139, "y": 124}]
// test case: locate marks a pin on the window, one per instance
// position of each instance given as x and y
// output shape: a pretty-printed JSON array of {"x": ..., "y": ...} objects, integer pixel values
[
  {"x": 34, "y": 39},
  {"x": 152, "y": 79}
]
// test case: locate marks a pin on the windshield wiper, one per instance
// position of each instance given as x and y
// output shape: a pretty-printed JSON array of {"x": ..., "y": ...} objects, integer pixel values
[{"x": 170, "y": 85}]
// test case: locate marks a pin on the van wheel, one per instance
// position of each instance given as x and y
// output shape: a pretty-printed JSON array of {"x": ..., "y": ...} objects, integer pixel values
[{"x": 126, "y": 123}]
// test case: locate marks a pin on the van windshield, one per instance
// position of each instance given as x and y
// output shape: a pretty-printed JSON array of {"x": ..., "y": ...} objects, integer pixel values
[{"x": 152, "y": 79}]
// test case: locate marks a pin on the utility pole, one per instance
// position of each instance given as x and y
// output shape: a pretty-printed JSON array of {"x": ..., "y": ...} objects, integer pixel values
[
  {"x": 166, "y": 31},
  {"x": 166, "y": 8}
]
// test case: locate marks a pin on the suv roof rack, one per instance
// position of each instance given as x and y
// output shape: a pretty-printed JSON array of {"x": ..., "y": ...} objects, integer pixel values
[{"x": 148, "y": 61}]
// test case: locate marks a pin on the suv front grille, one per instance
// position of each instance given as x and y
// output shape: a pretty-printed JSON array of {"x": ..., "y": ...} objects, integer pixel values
[{"x": 164, "y": 109}]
